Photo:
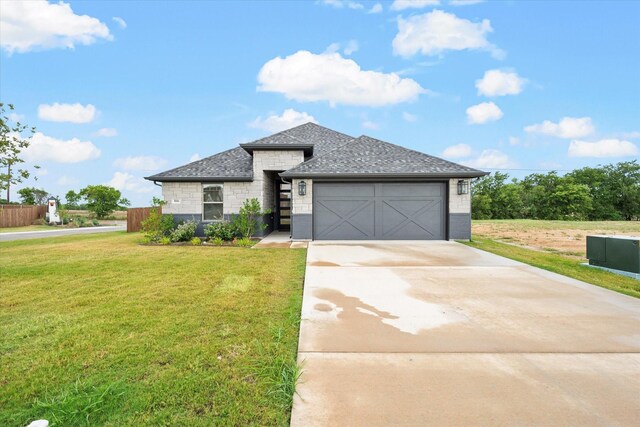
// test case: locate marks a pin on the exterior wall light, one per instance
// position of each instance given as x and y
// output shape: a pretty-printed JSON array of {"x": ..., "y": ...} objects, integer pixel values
[
  {"x": 463, "y": 187},
  {"x": 302, "y": 188}
]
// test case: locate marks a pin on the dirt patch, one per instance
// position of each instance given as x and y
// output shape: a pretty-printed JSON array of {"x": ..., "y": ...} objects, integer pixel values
[{"x": 570, "y": 240}]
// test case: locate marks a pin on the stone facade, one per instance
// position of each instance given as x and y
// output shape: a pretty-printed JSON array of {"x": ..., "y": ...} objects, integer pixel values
[
  {"x": 458, "y": 203},
  {"x": 182, "y": 198},
  {"x": 272, "y": 160},
  {"x": 302, "y": 204},
  {"x": 185, "y": 198}
]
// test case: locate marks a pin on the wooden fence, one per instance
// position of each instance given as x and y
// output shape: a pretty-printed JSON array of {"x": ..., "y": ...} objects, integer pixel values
[
  {"x": 20, "y": 215},
  {"x": 135, "y": 216}
]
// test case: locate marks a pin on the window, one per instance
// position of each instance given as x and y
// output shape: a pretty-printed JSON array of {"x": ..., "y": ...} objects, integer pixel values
[{"x": 212, "y": 196}]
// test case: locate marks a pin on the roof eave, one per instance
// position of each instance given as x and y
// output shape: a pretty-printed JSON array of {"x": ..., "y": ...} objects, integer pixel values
[
  {"x": 199, "y": 178},
  {"x": 250, "y": 148},
  {"x": 310, "y": 175}
]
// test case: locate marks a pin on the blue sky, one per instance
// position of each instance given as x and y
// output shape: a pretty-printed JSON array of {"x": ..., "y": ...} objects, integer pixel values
[{"x": 120, "y": 90}]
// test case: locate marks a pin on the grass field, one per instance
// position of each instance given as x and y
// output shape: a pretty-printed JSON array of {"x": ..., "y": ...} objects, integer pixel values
[
  {"x": 557, "y": 246},
  {"x": 96, "y": 330},
  {"x": 26, "y": 228},
  {"x": 564, "y": 237}
]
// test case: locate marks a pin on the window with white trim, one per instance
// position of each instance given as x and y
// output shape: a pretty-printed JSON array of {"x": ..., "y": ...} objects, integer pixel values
[{"x": 212, "y": 199}]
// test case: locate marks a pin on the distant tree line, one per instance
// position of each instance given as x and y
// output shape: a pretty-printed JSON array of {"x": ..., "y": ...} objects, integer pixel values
[
  {"x": 102, "y": 200},
  {"x": 610, "y": 192}
]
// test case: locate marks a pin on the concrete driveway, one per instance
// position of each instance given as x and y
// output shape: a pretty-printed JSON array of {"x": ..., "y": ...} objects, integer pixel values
[{"x": 437, "y": 333}]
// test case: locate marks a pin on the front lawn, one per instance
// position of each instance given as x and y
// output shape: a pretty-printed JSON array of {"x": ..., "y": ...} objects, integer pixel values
[
  {"x": 97, "y": 330},
  {"x": 562, "y": 264}
]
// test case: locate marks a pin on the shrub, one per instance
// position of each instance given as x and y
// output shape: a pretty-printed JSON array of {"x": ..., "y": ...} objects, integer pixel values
[
  {"x": 184, "y": 232},
  {"x": 95, "y": 222},
  {"x": 196, "y": 241},
  {"x": 165, "y": 241},
  {"x": 249, "y": 220},
  {"x": 80, "y": 221},
  {"x": 217, "y": 241},
  {"x": 225, "y": 231},
  {"x": 145, "y": 240},
  {"x": 156, "y": 226},
  {"x": 244, "y": 242}
]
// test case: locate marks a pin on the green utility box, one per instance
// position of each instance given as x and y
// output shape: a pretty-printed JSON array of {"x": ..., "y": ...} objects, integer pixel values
[{"x": 617, "y": 252}]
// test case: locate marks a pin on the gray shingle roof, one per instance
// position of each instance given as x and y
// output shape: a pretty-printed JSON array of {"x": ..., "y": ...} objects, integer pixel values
[
  {"x": 323, "y": 139},
  {"x": 334, "y": 155},
  {"x": 366, "y": 156},
  {"x": 235, "y": 164}
]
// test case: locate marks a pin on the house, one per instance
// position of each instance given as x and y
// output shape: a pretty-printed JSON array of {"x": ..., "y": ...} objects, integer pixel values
[{"x": 324, "y": 185}]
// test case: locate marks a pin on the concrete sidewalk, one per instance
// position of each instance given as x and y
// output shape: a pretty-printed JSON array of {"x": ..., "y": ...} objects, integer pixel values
[
  {"x": 23, "y": 235},
  {"x": 437, "y": 333}
]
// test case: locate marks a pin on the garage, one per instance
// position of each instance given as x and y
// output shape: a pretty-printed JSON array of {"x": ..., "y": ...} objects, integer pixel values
[{"x": 379, "y": 211}]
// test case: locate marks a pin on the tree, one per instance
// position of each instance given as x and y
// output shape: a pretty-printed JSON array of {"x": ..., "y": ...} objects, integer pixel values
[
  {"x": 102, "y": 200},
  {"x": 73, "y": 200},
  {"x": 33, "y": 196},
  {"x": 12, "y": 143}
]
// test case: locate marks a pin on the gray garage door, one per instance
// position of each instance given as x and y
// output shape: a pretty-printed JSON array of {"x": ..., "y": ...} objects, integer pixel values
[{"x": 379, "y": 211}]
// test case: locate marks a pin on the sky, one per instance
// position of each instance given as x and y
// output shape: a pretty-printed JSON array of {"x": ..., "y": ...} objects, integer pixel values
[{"x": 122, "y": 90}]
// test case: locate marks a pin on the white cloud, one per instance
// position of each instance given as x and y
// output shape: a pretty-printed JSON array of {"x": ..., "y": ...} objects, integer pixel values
[
  {"x": 413, "y": 4},
  {"x": 491, "y": 159},
  {"x": 604, "y": 148},
  {"x": 377, "y": 8},
  {"x": 42, "y": 172},
  {"x": 351, "y": 47},
  {"x": 408, "y": 117},
  {"x": 140, "y": 163},
  {"x": 45, "y": 148},
  {"x": 457, "y": 151},
  {"x": 121, "y": 22},
  {"x": 65, "y": 181},
  {"x": 368, "y": 124},
  {"x": 194, "y": 158},
  {"x": 631, "y": 135},
  {"x": 464, "y": 2},
  {"x": 308, "y": 77},
  {"x": 124, "y": 181},
  {"x": 483, "y": 113},
  {"x": 500, "y": 83},
  {"x": 514, "y": 140},
  {"x": 568, "y": 127},
  {"x": 14, "y": 117},
  {"x": 289, "y": 118},
  {"x": 73, "y": 113},
  {"x": 106, "y": 132},
  {"x": 339, "y": 4},
  {"x": 437, "y": 31},
  {"x": 38, "y": 24}
]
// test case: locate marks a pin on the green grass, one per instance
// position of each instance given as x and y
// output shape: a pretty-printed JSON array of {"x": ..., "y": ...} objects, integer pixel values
[
  {"x": 97, "y": 330},
  {"x": 26, "y": 228},
  {"x": 525, "y": 224},
  {"x": 561, "y": 264}
]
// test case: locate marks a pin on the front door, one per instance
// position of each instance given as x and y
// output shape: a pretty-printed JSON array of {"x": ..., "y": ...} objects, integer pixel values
[{"x": 283, "y": 206}]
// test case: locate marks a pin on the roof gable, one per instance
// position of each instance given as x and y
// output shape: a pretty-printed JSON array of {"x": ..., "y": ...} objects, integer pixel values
[
  {"x": 366, "y": 156},
  {"x": 232, "y": 165},
  {"x": 320, "y": 138}
]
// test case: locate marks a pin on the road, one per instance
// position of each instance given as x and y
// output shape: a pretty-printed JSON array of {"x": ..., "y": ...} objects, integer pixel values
[{"x": 23, "y": 235}]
